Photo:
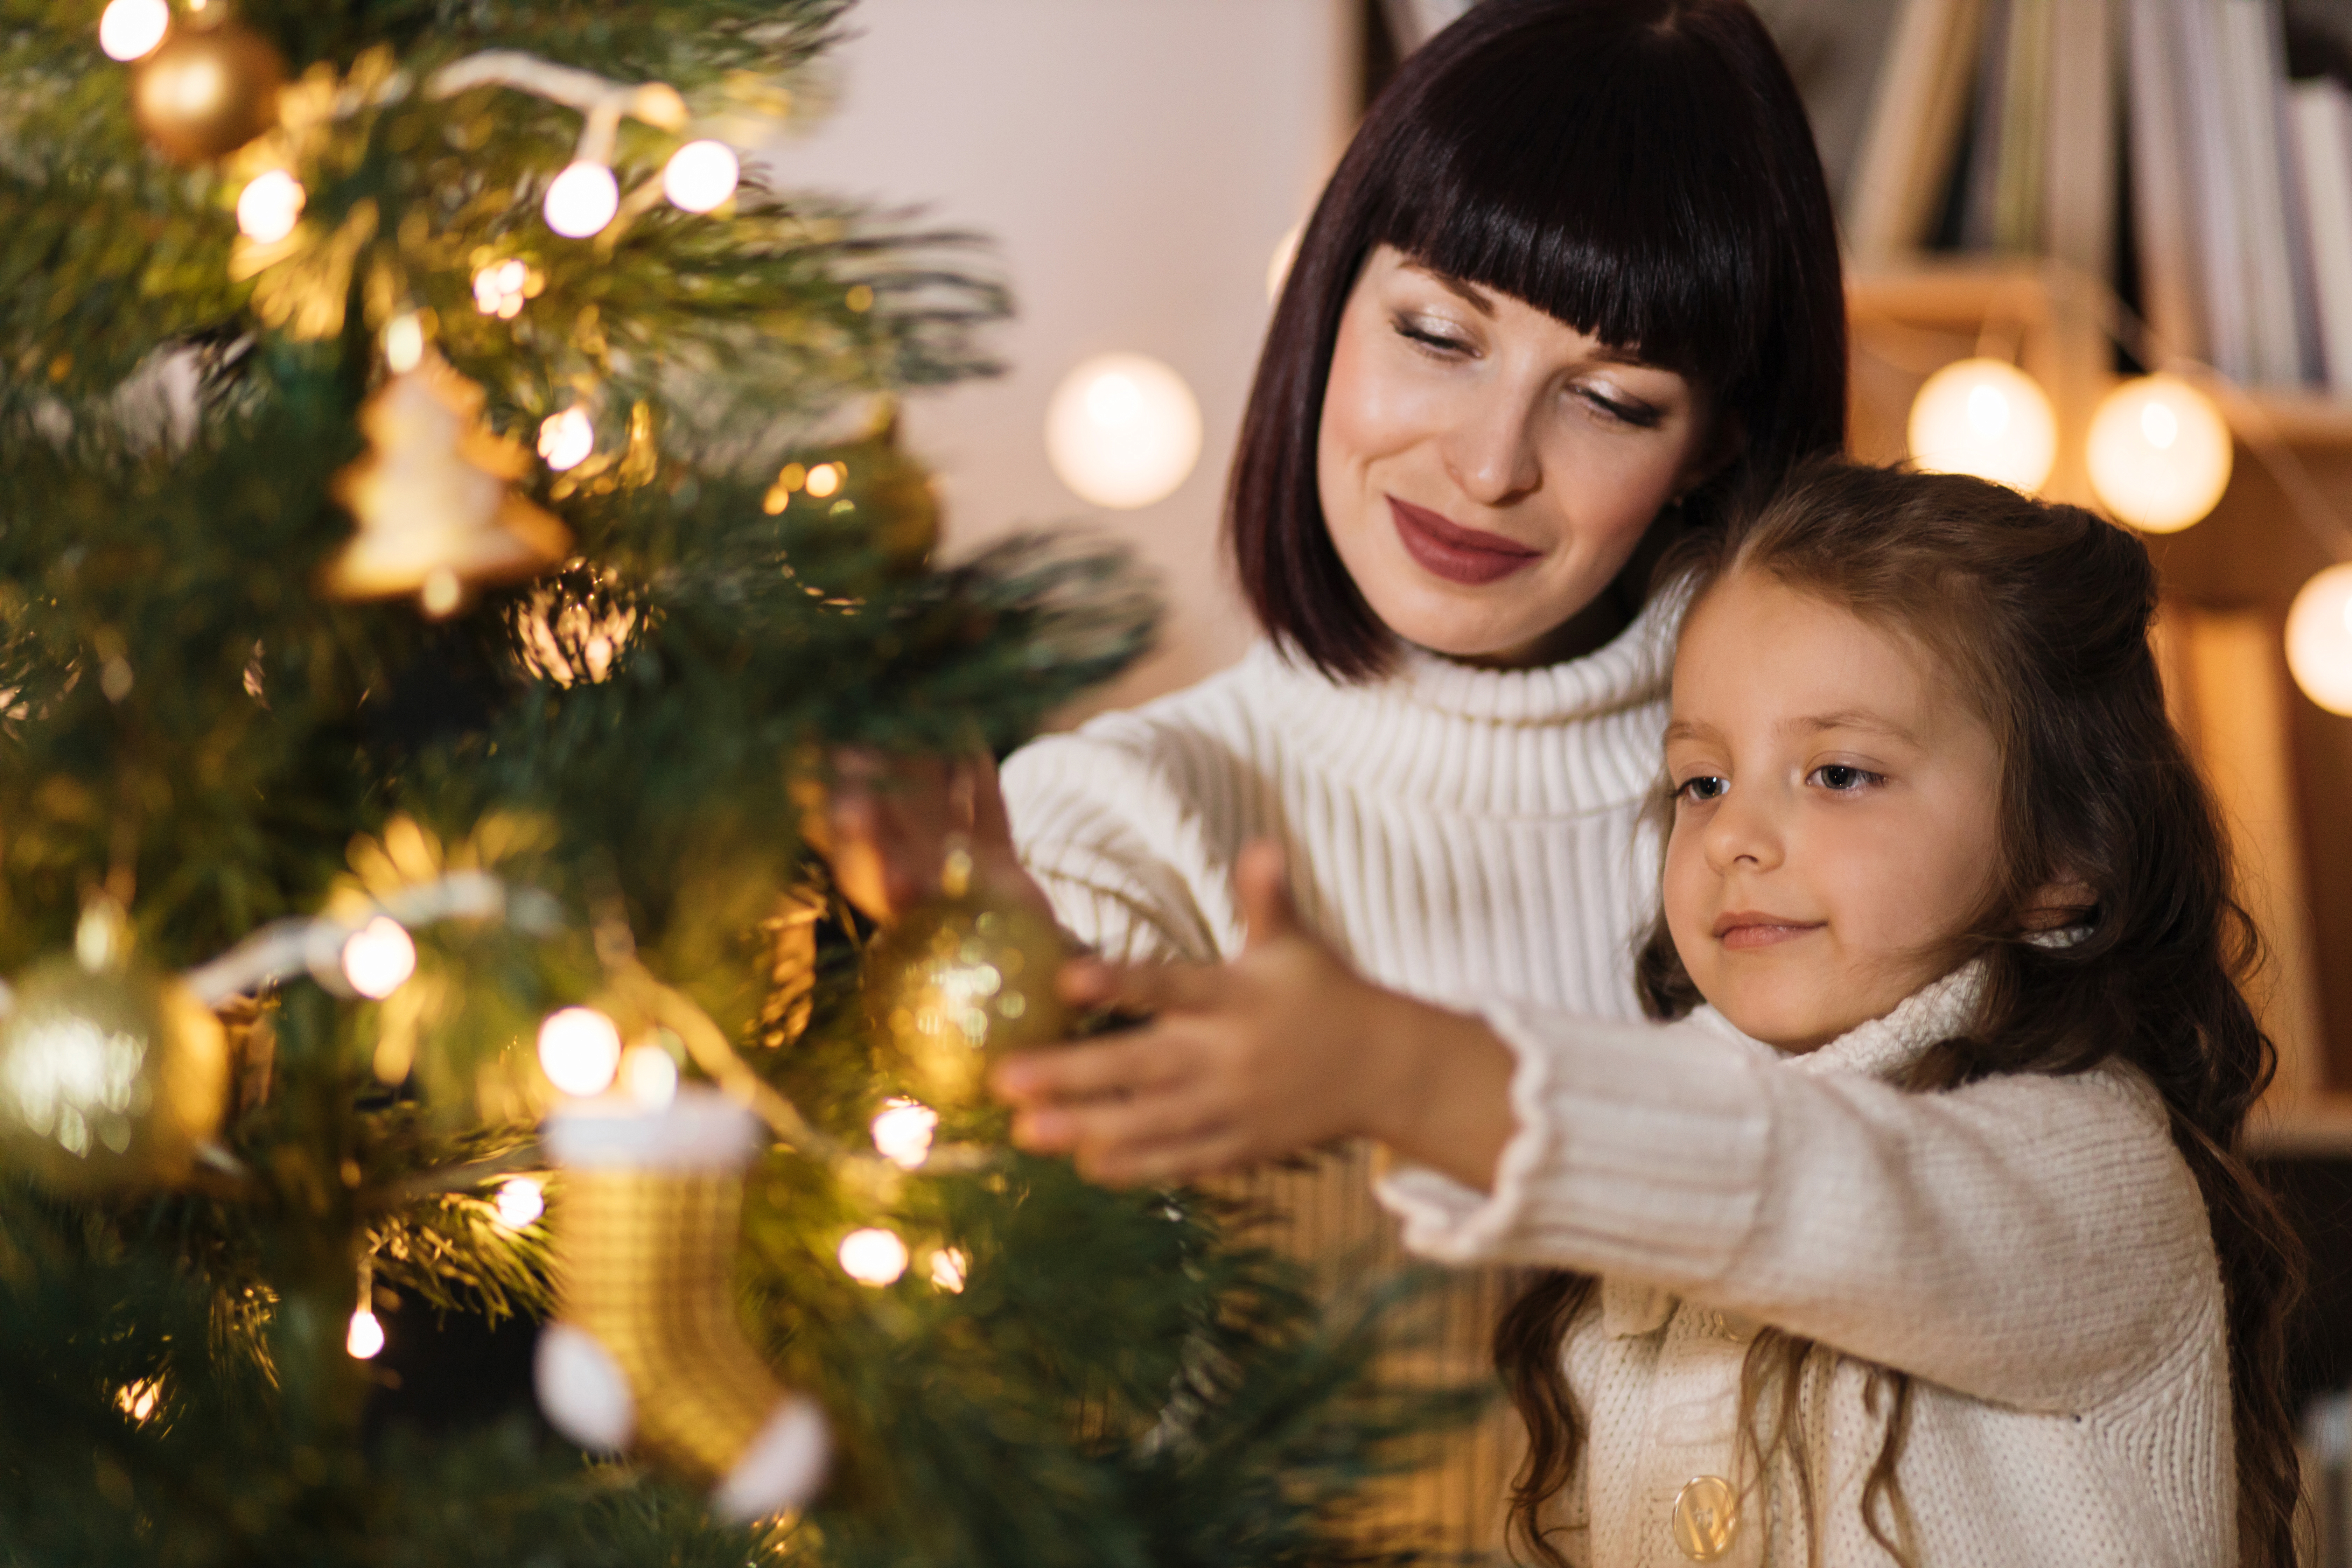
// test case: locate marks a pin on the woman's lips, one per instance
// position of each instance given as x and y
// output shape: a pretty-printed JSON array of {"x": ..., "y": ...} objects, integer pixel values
[{"x": 1456, "y": 554}]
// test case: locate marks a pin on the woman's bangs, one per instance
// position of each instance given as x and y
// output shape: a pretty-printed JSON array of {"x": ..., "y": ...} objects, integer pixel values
[{"x": 1620, "y": 203}]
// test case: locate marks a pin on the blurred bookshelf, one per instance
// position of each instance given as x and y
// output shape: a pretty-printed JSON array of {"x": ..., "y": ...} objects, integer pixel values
[{"x": 2090, "y": 188}]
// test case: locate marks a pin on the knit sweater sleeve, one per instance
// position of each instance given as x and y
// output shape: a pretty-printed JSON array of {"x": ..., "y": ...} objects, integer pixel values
[
  {"x": 2030, "y": 1240},
  {"x": 1128, "y": 825}
]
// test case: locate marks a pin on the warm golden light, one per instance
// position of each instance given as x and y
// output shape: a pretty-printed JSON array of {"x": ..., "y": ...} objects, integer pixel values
[
  {"x": 403, "y": 343},
  {"x": 949, "y": 1269},
  {"x": 379, "y": 958},
  {"x": 140, "y": 1399},
  {"x": 130, "y": 29},
  {"x": 1123, "y": 430},
  {"x": 1986, "y": 417},
  {"x": 2161, "y": 454},
  {"x": 500, "y": 289},
  {"x": 823, "y": 480},
  {"x": 581, "y": 200},
  {"x": 365, "y": 1340},
  {"x": 873, "y": 1257},
  {"x": 649, "y": 1076},
  {"x": 269, "y": 207},
  {"x": 566, "y": 439},
  {"x": 700, "y": 176},
  {"x": 579, "y": 1050},
  {"x": 520, "y": 1202},
  {"x": 902, "y": 1132},
  {"x": 2319, "y": 640}
]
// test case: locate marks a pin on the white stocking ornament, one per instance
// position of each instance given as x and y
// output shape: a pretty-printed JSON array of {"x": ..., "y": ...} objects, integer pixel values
[{"x": 645, "y": 1353}]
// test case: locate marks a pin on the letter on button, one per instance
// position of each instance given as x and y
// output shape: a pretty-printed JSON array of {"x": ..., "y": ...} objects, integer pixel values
[{"x": 1707, "y": 1516}]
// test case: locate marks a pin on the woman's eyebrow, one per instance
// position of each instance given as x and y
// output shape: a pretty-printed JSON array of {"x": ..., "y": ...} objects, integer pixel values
[{"x": 1452, "y": 285}]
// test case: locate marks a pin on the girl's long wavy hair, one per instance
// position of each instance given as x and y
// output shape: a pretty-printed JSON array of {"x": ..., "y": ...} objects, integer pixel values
[{"x": 2041, "y": 614}]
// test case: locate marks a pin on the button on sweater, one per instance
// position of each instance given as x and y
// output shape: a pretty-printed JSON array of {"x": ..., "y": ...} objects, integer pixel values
[
  {"x": 2033, "y": 1250},
  {"x": 1464, "y": 835}
]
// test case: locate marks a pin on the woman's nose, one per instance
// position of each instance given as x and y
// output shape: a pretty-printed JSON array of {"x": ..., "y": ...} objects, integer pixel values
[{"x": 1490, "y": 451}]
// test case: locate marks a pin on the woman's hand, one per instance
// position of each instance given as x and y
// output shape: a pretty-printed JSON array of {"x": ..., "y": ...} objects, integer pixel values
[
  {"x": 1282, "y": 1050},
  {"x": 883, "y": 823}
]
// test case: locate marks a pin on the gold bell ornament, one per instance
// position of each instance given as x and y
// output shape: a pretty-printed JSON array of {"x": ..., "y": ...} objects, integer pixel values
[
  {"x": 110, "y": 1075},
  {"x": 206, "y": 90},
  {"x": 645, "y": 1353},
  {"x": 435, "y": 516},
  {"x": 962, "y": 979}
]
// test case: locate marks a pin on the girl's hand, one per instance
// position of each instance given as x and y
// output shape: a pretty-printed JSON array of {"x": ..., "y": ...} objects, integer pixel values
[
  {"x": 883, "y": 825},
  {"x": 1284, "y": 1050}
]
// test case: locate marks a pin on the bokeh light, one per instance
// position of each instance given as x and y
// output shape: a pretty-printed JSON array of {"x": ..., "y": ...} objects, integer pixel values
[
  {"x": 2319, "y": 640},
  {"x": 581, "y": 200},
  {"x": 379, "y": 958},
  {"x": 1123, "y": 430},
  {"x": 579, "y": 1050},
  {"x": 1986, "y": 417},
  {"x": 2161, "y": 454},
  {"x": 700, "y": 176},
  {"x": 873, "y": 1256},
  {"x": 130, "y": 30},
  {"x": 269, "y": 207}
]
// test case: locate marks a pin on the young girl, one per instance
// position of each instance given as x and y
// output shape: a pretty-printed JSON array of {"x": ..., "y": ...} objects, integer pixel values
[{"x": 1925, "y": 1233}]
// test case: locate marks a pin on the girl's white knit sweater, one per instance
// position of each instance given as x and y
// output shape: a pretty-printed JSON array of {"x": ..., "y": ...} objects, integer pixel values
[
  {"x": 2033, "y": 1250},
  {"x": 1464, "y": 835}
]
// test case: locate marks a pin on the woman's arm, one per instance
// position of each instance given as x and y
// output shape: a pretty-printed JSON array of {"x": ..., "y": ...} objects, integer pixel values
[{"x": 1281, "y": 1050}]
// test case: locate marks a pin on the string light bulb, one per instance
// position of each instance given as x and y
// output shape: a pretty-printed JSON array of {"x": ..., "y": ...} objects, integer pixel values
[
  {"x": 579, "y": 1050},
  {"x": 364, "y": 1340},
  {"x": 873, "y": 1256},
  {"x": 649, "y": 1076},
  {"x": 379, "y": 958},
  {"x": 701, "y": 175},
  {"x": 269, "y": 207},
  {"x": 130, "y": 30},
  {"x": 566, "y": 439},
  {"x": 2319, "y": 640},
  {"x": 1123, "y": 430},
  {"x": 403, "y": 343},
  {"x": 521, "y": 1200},
  {"x": 1985, "y": 417},
  {"x": 2161, "y": 454},
  {"x": 949, "y": 1269},
  {"x": 581, "y": 200},
  {"x": 903, "y": 1130}
]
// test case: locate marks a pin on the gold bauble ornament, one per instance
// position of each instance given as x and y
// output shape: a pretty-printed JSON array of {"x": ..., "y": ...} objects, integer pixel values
[
  {"x": 110, "y": 1075},
  {"x": 962, "y": 979},
  {"x": 207, "y": 91},
  {"x": 645, "y": 1353},
  {"x": 437, "y": 518}
]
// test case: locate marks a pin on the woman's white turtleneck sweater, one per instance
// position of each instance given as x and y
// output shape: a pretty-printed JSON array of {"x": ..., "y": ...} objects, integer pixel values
[{"x": 1468, "y": 836}]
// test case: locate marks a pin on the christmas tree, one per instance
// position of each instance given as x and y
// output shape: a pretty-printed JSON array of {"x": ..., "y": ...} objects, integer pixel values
[{"x": 449, "y": 511}]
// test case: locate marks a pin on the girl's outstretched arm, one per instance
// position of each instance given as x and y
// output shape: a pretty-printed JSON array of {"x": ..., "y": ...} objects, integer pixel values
[{"x": 1279, "y": 1051}]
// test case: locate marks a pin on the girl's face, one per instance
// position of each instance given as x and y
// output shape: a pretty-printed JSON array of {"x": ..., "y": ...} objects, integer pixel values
[
  {"x": 1835, "y": 809},
  {"x": 1485, "y": 470}
]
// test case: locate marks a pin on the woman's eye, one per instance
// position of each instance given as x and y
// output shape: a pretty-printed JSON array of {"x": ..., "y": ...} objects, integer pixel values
[
  {"x": 1845, "y": 777},
  {"x": 1639, "y": 414},
  {"x": 1430, "y": 337},
  {"x": 1707, "y": 786}
]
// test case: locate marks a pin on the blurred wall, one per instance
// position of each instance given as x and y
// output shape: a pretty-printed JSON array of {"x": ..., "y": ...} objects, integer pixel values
[{"x": 1136, "y": 162}]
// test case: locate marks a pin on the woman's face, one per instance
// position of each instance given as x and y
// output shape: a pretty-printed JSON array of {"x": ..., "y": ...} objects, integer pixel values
[{"x": 1487, "y": 470}]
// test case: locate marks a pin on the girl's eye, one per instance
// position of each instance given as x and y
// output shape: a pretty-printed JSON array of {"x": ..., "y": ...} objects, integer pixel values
[
  {"x": 1707, "y": 786},
  {"x": 1844, "y": 778}
]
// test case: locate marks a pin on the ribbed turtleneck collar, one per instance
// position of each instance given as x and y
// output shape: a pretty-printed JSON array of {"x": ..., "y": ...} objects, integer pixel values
[
  {"x": 1885, "y": 1047},
  {"x": 1580, "y": 735}
]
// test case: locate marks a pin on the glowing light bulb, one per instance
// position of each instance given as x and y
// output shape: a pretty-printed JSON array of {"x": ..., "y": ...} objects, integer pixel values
[
  {"x": 824, "y": 479},
  {"x": 139, "y": 1399},
  {"x": 902, "y": 1132},
  {"x": 2319, "y": 640},
  {"x": 648, "y": 1076},
  {"x": 2160, "y": 453},
  {"x": 1123, "y": 430},
  {"x": 379, "y": 958},
  {"x": 403, "y": 343},
  {"x": 442, "y": 593},
  {"x": 130, "y": 29},
  {"x": 521, "y": 1200},
  {"x": 873, "y": 1257},
  {"x": 700, "y": 176},
  {"x": 566, "y": 439},
  {"x": 1986, "y": 417},
  {"x": 366, "y": 1340},
  {"x": 269, "y": 207},
  {"x": 500, "y": 289},
  {"x": 579, "y": 1050},
  {"x": 949, "y": 1269},
  {"x": 581, "y": 200}
]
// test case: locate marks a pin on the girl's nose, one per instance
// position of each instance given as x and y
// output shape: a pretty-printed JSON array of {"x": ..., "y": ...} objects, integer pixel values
[
  {"x": 1743, "y": 831},
  {"x": 1490, "y": 451}
]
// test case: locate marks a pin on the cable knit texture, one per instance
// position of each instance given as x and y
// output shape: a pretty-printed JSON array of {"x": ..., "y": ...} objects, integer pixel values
[
  {"x": 1465, "y": 836},
  {"x": 2033, "y": 1250}
]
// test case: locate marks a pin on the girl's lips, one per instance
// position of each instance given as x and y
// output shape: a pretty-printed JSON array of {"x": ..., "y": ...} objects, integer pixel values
[
  {"x": 1741, "y": 931},
  {"x": 1458, "y": 554}
]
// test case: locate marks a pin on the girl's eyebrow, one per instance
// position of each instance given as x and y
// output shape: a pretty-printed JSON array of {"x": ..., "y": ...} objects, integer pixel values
[{"x": 1854, "y": 719}]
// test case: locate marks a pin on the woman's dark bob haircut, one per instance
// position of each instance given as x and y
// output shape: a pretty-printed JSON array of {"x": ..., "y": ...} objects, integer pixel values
[{"x": 1641, "y": 170}]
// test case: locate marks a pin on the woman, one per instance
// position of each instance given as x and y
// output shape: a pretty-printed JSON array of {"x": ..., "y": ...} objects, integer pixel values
[{"x": 1573, "y": 287}]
